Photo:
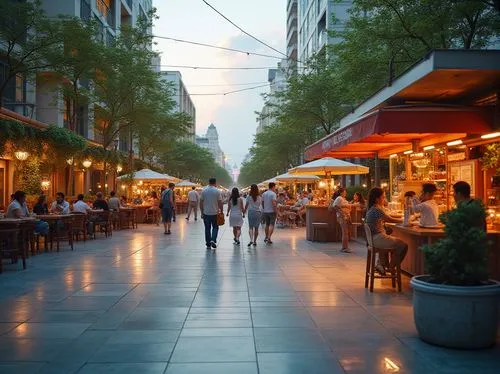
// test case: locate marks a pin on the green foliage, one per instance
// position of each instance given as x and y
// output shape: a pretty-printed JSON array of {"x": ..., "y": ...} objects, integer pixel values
[
  {"x": 491, "y": 158},
  {"x": 63, "y": 142},
  {"x": 353, "y": 189},
  {"x": 461, "y": 257},
  {"x": 29, "y": 176}
]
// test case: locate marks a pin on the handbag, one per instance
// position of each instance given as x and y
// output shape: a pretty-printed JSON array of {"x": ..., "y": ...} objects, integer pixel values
[{"x": 220, "y": 219}]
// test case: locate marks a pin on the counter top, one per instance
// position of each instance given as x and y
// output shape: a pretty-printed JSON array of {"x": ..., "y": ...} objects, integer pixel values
[
  {"x": 437, "y": 232},
  {"x": 316, "y": 206}
]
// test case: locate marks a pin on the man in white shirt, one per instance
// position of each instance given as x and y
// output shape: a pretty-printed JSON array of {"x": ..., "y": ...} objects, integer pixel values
[
  {"x": 18, "y": 209},
  {"x": 60, "y": 206},
  {"x": 210, "y": 205},
  {"x": 193, "y": 201},
  {"x": 428, "y": 208},
  {"x": 80, "y": 206},
  {"x": 269, "y": 211}
]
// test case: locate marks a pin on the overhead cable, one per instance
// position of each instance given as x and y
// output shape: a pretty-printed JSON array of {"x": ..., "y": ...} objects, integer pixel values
[
  {"x": 217, "y": 67},
  {"x": 228, "y": 92},
  {"x": 225, "y": 85},
  {"x": 217, "y": 47},
  {"x": 243, "y": 31}
]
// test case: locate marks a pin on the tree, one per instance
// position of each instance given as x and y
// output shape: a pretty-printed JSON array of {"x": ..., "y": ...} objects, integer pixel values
[{"x": 27, "y": 36}]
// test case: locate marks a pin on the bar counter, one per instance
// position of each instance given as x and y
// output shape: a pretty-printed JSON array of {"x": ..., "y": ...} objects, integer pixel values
[
  {"x": 416, "y": 237},
  {"x": 319, "y": 213}
]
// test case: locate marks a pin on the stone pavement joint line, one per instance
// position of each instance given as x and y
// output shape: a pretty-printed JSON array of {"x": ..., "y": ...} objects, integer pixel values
[{"x": 142, "y": 302}]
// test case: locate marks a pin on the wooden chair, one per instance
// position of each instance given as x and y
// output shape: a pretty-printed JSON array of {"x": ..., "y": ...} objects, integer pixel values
[
  {"x": 10, "y": 245},
  {"x": 36, "y": 243},
  {"x": 62, "y": 231},
  {"x": 153, "y": 216},
  {"x": 104, "y": 224},
  {"x": 80, "y": 226},
  {"x": 395, "y": 274}
]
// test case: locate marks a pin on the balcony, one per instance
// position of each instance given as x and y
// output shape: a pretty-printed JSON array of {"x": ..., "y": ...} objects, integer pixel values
[
  {"x": 105, "y": 8},
  {"x": 322, "y": 38},
  {"x": 291, "y": 4},
  {"x": 129, "y": 3},
  {"x": 291, "y": 36},
  {"x": 85, "y": 11},
  {"x": 292, "y": 20},
  {"x": 291, "y": 51}
]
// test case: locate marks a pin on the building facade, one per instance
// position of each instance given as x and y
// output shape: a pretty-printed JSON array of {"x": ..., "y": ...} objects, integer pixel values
[
  {"x": 292, "y": 34},
  {"x": 183, "y": 102},
  {"x": 314, "y": 19},
  {"x": 211, "y": 142},
  {"x": 277, "y": 79}
]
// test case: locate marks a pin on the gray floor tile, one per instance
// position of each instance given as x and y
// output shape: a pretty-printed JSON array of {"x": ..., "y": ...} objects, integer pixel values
[
  {"x": 214, "y": 349},
  {"x": 298, "y": 363},
  {"x": 213, "y": 368},
  {"x": 135, "y": 368},
  {"x": 48, "y": 330},
  {"x": 283, "y": 319},
  {"x": 145, "y": 352},
  {"x": 220, "y": 331},
  {"x": 20, "y": 368},
  {"x": 289, "y": 340}
]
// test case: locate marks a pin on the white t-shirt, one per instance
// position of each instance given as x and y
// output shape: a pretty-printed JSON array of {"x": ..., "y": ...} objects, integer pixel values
[
  {"x": 14, "y": 205},
  {"x": 429, "y": 213},
  {"x": 254, "y": 205},
  {"x": 268, "y": 197},
  {"x": 81, "y": 207},
  {"x": 210, "y": 197},
  {"x": 343, "y": 206},
  {"x": 64, "y": 206},
  {"x": 113, "y": 203},
  {"x": 193, "y": 196}
]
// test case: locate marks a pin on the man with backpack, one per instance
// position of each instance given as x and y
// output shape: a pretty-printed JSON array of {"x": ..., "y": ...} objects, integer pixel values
[{"x": 167, "y": 201}]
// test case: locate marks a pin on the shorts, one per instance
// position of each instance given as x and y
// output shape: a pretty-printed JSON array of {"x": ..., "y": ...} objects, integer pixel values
[
  {"x": 254, "y": 219},
  {"x": 269, "y": 218},
  {"x": 167, "y": 214}
]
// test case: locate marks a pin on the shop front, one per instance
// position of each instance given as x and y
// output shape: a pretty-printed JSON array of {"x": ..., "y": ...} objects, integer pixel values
[{"x": 441, "y": 131}]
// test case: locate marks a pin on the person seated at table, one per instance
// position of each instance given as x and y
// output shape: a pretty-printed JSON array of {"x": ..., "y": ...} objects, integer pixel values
[
  {"x": 123, "y": 201},
  {"x": 18, "y": 209},
  {"x": 41, "y": 206},
  {"x": 100, "y": 203},
  {"x": 81, "y": 206},
  {"x": 375, "y": 218},
  {"x": 60, "y": 206},
  {"x": 137, "y": 200},
  {"x": 302, "y": 200},
  {"x": 428, "y": 208},
  {"x": 114, "y": 202},
  {"x": 281, "y": 199},
  {"x": 358, "y": 201}
]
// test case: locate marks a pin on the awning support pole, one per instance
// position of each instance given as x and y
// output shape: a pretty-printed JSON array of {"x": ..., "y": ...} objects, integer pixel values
[{"x": 377, "y": 170}]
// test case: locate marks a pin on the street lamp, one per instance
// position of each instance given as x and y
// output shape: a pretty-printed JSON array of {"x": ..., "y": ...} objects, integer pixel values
[
  {"x": 119, "y": 168},
  {"x": 21, "y": 155},
  {"x": 86, "y": 163}
]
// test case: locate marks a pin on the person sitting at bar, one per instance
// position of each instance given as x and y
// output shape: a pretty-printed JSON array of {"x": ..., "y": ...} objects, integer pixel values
[
  {"x": 100, "y": 203},
  {"x": 114, "y": 202},
  {"x": 60, "y": 206},
  {"x": 123, "y": 201},
  {"x": 375, "y": 219},
  {"x": 80, "y": 206},
  {"x": 428, "y": 208},
  {"x": 18, "y": 209},
  {"x": 41, "y": 206},
  {"x": 461, "y": 195}
]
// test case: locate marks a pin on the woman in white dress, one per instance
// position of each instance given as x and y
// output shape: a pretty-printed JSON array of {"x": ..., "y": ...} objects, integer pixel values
[
  {"x": 235, "y": 213},
  {"x": 254, "y": 208}
]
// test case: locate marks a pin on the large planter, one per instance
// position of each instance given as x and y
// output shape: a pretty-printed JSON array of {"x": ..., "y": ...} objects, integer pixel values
[{"x": 456, "y": 316}]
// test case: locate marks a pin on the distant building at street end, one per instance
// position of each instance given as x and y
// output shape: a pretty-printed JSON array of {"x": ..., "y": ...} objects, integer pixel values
[
  {"x": 183, "y": 102},
  {"x": 211, "y": 142},
  {"x": 292, "y": 35}
]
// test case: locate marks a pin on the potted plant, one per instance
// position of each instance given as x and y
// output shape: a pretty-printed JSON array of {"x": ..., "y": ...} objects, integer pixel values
[{"x": 455, "y": 305}]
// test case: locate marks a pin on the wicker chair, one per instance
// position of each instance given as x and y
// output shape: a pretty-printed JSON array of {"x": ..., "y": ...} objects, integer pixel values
[
  {"x": 80, "y": 226},
  {"x": 104, "y": 224}
]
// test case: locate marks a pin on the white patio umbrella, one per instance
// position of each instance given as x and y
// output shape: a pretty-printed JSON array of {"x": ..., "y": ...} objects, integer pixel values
[
  {"x": 186, "y": 183},
  {"x": 148, "y": 175},
  {"x": 297, "y": 178},
  {"x": 328, "y": 166}
]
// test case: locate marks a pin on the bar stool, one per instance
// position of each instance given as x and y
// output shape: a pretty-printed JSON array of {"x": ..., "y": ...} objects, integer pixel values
[
  {"x": 318, "y": 227},
  {"x": 395, "y": 276}
]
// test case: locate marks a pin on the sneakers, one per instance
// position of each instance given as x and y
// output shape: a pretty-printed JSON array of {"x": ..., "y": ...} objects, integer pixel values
[
  {"x": 249, "y": 244},
  {"x": 187, "y": 218},
  {"x": 269, "y": 241},
  {"x": 266, "y": 240},
  {"x": 213, "y": 244},
  {"x": 345, "y": 250},
  {"x": 208, "y": 247}
]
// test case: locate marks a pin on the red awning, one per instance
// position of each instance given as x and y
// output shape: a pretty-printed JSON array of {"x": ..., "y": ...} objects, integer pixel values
[{"x": 396, "y": 129}]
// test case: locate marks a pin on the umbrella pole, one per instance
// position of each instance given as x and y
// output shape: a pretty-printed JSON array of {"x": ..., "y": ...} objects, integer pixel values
[{"x": 328, "y": 180}]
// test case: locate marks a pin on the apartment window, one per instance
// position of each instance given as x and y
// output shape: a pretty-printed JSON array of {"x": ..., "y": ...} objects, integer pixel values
[
  {"x": 20, "y": 91},
  {"x": 85, "y": 11},
  {"x": 105, "y": 7}
]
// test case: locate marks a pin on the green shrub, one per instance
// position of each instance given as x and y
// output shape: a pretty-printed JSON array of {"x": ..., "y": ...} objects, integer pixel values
[
  {"x": 353, "y": 189},
  {"x": 461, "y": 257}
]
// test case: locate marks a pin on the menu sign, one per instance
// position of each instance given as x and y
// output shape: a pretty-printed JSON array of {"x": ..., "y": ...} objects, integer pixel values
[{"x": 463, "y": 171}]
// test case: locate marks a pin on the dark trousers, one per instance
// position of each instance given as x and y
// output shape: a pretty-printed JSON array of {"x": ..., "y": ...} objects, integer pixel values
[{"x": 211, "y": 228}]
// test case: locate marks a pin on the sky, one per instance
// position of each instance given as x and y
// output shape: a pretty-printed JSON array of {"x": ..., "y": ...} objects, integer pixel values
[{"x": 234, "y": 114}]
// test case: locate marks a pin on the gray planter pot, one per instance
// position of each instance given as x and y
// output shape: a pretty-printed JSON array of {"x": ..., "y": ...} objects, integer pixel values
[{"x": 456, "y": 316}]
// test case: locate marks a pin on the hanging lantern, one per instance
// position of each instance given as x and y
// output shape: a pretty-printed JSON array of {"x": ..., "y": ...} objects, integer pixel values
[
  {"x": 21, "y": 155},
  {"x": 70, "y": 161},
  {"x": 86, "y": 163},
  {"x": 119, "y": 168}
]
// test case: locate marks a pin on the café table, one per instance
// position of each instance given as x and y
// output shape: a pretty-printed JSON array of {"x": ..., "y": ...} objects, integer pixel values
[
  {"x": 55, "y": 228},
  {"x": 128, "y": 217}
]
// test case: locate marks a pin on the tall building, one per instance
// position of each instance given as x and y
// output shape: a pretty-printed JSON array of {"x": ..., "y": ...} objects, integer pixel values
[
  {"x": 183, "y": 102},
  {"x": 292, "y": 34},
  {"x": 211, "y": 142},
  {"x": 277, "y": 82},
  {"x": 314, "y": 19}
]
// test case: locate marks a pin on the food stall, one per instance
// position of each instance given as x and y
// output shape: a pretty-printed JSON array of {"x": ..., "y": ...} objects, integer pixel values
[
  {"x": 434, "y": 124},
  {"x": 319, "y": 213}
]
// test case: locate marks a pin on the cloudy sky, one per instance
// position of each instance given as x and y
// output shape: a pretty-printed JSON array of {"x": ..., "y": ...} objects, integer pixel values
[{"x": 234, "y": 114}]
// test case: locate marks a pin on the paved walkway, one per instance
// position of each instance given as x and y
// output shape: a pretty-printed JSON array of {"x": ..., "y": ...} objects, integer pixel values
[{"x": 145, "y": 303}]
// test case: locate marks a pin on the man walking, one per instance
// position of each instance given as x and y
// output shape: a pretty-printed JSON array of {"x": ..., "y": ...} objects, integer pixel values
[
  {"x": 167, "y": 199},
  {"x": 193, "y": 201},
  {"x": 210, "y": 205},
  {"x": 269, "y": 204}
]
